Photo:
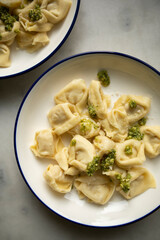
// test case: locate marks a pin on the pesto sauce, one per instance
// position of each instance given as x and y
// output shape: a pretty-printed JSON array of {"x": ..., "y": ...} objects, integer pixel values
[
  {"x": 86, "y": 125},
  {"x": 35, "y": 14},
  {"x": 132, "y": 104},
  {"x": 73, "y": 142},
  {"x": 124, "y": 182},
  {"x": 92, "y": 111},
  {"x": 7, "y": 19},
  {"x": 108, "y": 160},
  {"x": 134, "y": 133},
  {"x": 104, "y": 78},
  {"x": 142, "y": 121},
  {"x": 93, "y": 166},
  {"x": 128, "y": 150}
]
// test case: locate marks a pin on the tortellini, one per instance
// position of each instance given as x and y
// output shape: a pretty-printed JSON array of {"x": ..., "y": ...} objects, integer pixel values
[
  {"x": 57, "y": 180},
  {"x": 151, "y": 140},
  {"x": 4, "y": 56},
  {"x": 63, "y": 117},
  {"x": 32, "y": 41},
  {"x": 75, "y": 93},
  {"x": 141, "y": 180},
  {"x": 130, "y": 153},
  {"x": 98, "y": 188},
  {"x": 40, "y": 25},
  {"x": 105, "y": 148},
  {"x": 28, "y": 22},
  {"x": 47, "y": 144},
  {"x": 57, "y": 10},
  {"x": 87, "y": 127},
  {"x": 136, "y": 106},
  {"x": 97, "y": 100},
  {"x": 116, "y": 124},
  {"x": 103, "y": 145},
  {"x": 81, "y": 152}
]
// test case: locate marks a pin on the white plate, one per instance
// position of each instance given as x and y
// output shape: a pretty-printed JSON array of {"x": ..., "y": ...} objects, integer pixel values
[
  {"x": 128, "y": 76},
  {"x": 22, "y": 61}
]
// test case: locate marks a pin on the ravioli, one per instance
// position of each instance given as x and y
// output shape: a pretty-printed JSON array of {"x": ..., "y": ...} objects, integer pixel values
[
  {"x": 4, "y": 56},
  {"x": 115, "y": 124},
  {"x": 141, "y": 181},
  {"x": 87, "y": 127},
  {"x": 75, "y": 93},
  {"x": 134, "y": 113},
  {"x": 98, "y": 189},
  {"x": 135, "y": 156},
  {"x": 103, "y": 145},
  {"x": 63, "y": 117},
  {"x": 151, "y": 140},
  {"x": 97, "y": 100},
  {"x": 80, "y": 153},
  {"x": 47, "y": 144},
  {"x": 57, "y": 180}
]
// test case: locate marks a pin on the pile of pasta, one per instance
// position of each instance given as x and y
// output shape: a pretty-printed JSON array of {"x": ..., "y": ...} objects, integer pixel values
[
  {"x": 105, "y": 155},
  {"x": 28, "y": 21}
]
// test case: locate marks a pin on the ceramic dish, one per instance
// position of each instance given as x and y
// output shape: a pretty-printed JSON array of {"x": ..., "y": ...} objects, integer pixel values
[
  {"x": 128, "y": 76},
  {"x": 22, "y": 61}
]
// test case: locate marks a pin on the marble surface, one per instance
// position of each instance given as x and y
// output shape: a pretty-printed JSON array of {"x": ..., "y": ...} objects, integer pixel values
[{"x": 127, "y": 26}]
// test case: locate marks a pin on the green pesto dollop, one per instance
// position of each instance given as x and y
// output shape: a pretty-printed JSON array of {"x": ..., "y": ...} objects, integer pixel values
[
  {"x": 134, "y": 133},
  {"x": 103, "y": 77},
  {"x": 7, "y": 19},
  {"x": 93, "y": 166},
  {"x": 132, "y": 104},
  {"x": 92, "y": 111},
  {"x": 35, "y": 14},
  {"x": 128, "y": 150},
  {"x": 124, "y": 181},
  {"x": 86, "y": 125},
  {"x": 73, "y": 142},
  {"x": 108, "y": 160},
  {"x": 142, "y": 121}
]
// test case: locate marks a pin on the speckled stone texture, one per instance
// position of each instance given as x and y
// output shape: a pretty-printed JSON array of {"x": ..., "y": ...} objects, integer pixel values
[{"x": 127, "y": 26}]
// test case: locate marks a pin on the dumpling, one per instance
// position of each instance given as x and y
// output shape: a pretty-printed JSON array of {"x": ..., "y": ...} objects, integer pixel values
[
  {"x": 97, "y": 101},
  {"x": 97, "y": 188},
  {"x": 139, "y": 181},
  {"x": 57, "y": 180},
  {"x": 32, "y": 41},
  {"x": 29, "y": 20},
  {"x": 7, "y": 37},
  {"x": 10, "y": 3},
  {"x": 63, "y": 117},
  {"x": 103, "y": 145},
  {"x": 87, "y": 127},
  {"x": 129, "y": 153},
  {"x": 57, "y": 10},
  {"x": 62, "y": 158},
  {"x": 4, "y": 56},
  {"x": 75, "y": 93},
  {"x": 151, "y": 140},
  {"x": 47, "y": 144},
  {"x": 72, "y": 171},
  {"x": 116, "y": 124},
  {"x": 136, "y": 106},
  {"x": 81, "y": 152}
]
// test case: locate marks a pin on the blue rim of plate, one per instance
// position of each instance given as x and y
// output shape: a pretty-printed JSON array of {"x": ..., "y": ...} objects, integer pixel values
[
  {"x": 55, "y": 50},
  {"x": 19, "y": 111}
]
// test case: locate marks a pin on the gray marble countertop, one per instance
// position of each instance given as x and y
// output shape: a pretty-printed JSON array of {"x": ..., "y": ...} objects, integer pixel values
[{"x": 127, "y": 26}]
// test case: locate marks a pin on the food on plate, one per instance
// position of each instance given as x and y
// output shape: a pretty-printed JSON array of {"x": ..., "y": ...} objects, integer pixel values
[
  {"x": 107, "y": 148},
  {"x": 28, "y": 22}
]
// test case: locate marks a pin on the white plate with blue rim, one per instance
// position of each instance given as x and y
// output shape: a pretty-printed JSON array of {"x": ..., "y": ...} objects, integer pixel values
[
  {"x": 128, "y": 75},
  {"x": 22, "y": 61}
]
